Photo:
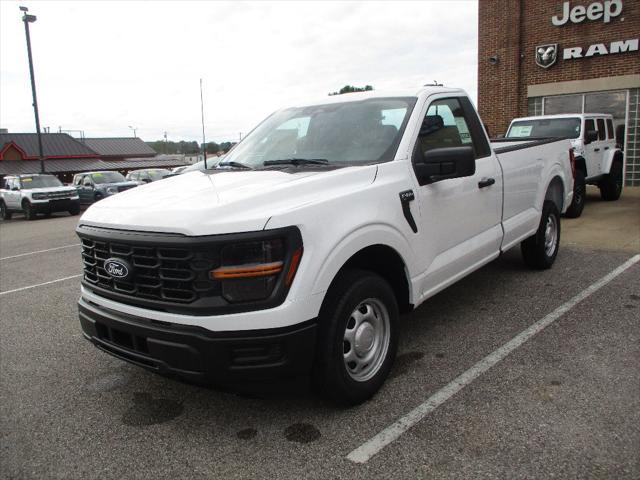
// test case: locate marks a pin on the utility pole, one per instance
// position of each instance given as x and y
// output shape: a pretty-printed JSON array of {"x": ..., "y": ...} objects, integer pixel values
[
  {"x": 204, "y": 145},
  {"x": 134, "y": 130},
  {"x": 166, "y": 146},
  {"x": 27, "y": 19}
]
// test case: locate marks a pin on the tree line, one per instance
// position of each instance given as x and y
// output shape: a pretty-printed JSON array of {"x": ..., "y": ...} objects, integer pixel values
[
  {"x": 351, "y": 89},
  {"x": 188, "y": 148}
]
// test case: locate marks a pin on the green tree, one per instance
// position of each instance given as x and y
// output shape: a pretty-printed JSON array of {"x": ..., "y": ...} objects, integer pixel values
[{"x": 351, "y": 89}]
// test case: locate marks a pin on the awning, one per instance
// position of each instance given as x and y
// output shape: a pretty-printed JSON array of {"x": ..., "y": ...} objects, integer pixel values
[{"x": 76, "y": 165}]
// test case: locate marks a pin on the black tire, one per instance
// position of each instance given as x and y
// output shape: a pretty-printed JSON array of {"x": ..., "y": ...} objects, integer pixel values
[
  {"x": 29, "y": 211},
  {"x": 5, "y": 214},
  {"x": 611, "y": 184},
  {"x": 332, "y": 378},
  {"x": 579, "y": 196},
  {"x": 75, "y": 210},
  {"x": 537, "y": 251}
]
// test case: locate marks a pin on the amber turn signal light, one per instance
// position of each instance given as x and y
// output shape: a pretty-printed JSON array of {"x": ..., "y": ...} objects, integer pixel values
[{"x": 247, "y": 271}]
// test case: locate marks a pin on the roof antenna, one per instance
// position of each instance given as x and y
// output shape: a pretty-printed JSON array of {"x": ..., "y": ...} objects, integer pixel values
[
  {"x": 204, "y": 145},
  {"x": 434, "y": 84}
]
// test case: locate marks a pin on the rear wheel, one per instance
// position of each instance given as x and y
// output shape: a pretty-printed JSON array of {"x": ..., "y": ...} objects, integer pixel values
[
  {"x": 29, "y": 211},
  {"x": 358, "y": 337},
  {"x": 611, "y": 183},
  {"x": 579, "y": 196},
  {"x": 539, "y": 251},
  {"x": 4, "y": 212}
]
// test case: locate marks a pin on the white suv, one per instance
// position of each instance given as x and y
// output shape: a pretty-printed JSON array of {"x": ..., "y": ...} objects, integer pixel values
[{"x": 598, "y": 161}]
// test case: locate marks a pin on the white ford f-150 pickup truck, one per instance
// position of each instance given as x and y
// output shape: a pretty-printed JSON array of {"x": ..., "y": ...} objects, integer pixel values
[
  {"x": 598, "y": 160},
  {"x": 297, "y": 253}
]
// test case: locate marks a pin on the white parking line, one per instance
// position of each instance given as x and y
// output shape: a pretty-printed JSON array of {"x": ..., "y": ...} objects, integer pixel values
[
  {"x": 40, "y": 251},
  {"x": 363, "y": 453},
  {"x": 40, "y": 284}
]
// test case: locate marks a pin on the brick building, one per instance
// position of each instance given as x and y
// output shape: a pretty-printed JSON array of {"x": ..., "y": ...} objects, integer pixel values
[{"x": 553, "y": 56}]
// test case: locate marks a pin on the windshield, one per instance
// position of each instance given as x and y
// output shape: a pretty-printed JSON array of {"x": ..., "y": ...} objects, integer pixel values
[
  {"x": 545, "y": 127},
  {"x": 348, "y": 133},
  {"x": 107, "y": 177},
  {"x": 39, "y": 181}
]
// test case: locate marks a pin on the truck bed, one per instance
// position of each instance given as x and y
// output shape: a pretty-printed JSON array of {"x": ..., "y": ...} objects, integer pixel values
[{"x": 504, "y": 145}]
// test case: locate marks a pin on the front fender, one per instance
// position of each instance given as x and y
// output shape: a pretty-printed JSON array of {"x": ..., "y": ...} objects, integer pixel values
[{"x": 354, "y": 242}]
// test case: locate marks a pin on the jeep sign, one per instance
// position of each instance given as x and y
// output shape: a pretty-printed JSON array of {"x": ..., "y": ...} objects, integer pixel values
[{"x": 595, "y": 11}]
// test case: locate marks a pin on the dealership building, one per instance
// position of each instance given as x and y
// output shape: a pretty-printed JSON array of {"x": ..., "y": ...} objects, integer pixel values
[{"x": 548, "y": 57}]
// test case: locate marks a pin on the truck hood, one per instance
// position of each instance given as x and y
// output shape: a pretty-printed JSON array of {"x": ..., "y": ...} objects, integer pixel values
[
  {"x": 52, "y": 189},
  {"x": 118, "y": 184},
  {"x": 210, "y": 203}
]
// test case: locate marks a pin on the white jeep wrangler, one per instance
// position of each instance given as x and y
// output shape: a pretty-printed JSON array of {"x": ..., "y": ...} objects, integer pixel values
[{"x": 598, "y": 160}]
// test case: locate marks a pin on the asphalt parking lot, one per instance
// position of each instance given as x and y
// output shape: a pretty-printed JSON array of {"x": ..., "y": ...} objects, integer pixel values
[{"x": 563, "y": 404}]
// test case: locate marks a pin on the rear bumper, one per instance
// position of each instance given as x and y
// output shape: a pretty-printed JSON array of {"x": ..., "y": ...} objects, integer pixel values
[
  {"x": 51, "y": 206},
  {"x": 197, "y": 354}
]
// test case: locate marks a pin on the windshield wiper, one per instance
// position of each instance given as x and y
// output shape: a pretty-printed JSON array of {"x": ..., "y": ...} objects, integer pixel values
[
  {"x": 234, "y": 165},
  {"x": 297, "y": 161}
]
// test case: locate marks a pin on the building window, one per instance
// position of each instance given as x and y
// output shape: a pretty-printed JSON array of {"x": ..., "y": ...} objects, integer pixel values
[{"x": 563, "y": 104}]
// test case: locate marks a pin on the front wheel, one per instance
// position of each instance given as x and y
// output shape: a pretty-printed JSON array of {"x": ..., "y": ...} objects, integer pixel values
[
  {"x": 358, "y": 337},
  {"x": 75, "y": 209},
  {"x": 4, "y": 212},
  {"x": 29, "y": 211},
  {"x": 539, "y": 251},
  {"x": 611, "y": 183},
  {"x": 579, "y": 196}
]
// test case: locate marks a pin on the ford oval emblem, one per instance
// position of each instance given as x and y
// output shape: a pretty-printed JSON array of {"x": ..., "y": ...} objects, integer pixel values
[{"x": 117, "y": 268}]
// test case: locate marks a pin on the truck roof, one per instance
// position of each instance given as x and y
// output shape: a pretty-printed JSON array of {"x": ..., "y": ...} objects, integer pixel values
[
  {"x": 564, "y": 115},
  {"x": 358, "y": 96}
]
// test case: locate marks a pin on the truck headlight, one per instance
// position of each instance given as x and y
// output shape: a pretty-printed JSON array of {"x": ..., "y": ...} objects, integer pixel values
[
  {"x": 251, "y": 271},
  {"x": 39, "y": 196},
  {"x": 112, "y": 190}
]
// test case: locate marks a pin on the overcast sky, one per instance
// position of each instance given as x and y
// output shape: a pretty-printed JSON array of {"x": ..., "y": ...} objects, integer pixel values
[{"x": 103, "y": 66}]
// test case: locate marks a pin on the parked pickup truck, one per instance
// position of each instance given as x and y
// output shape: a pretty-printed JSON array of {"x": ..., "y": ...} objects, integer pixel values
[
  {"x": 598, "y": 161},
  {"x": 298, "y": 251},
  {"x": 94, "y": 186},
  {"x": 33, "y": 194}
]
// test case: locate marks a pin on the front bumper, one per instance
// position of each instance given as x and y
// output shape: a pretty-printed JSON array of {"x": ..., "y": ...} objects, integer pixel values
[
  {"x": 197, "y": 354},
  {"x": 51, "y": 206}
]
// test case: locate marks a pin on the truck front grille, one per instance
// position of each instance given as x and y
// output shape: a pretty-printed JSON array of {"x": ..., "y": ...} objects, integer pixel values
[
  {"x": 176, "y": 275},
  {"x": 60, "y": 195}
]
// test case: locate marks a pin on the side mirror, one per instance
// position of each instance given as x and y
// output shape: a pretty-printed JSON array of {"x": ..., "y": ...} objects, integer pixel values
[
  {"x": 15, "y": 188},
  {"x": 500, "y": 135},
  {"x": 590, "y": 136},
  {"x": 444, "y": 163},
  {"x": 146, "y": 180}
]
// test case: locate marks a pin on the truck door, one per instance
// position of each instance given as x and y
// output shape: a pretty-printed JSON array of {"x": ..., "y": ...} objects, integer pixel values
[
  {"x": 460, "y": 218},
  {"x": 86, "y": 192},
  {"x": 12, "y": 196},
  {"x": 594, "y": 150}
]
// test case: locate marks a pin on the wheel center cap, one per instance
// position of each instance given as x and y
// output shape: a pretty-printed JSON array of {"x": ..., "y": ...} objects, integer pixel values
[{"x": 364, "y": 338}]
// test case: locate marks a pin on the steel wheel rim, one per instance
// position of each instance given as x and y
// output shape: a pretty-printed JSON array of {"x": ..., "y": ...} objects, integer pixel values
[
  {"x": 550, "y": 235},
  {"x": 366, "y": 339}
]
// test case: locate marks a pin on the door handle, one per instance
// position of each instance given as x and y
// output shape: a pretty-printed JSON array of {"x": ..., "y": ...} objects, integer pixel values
[
  {"x": 606, "y": 148},
  {"x": 596, "y": 149},
  {"x": 486, "y": 182}
]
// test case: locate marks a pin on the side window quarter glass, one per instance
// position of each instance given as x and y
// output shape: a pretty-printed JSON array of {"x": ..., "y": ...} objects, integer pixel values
[{"x": 602, "y": 134}]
